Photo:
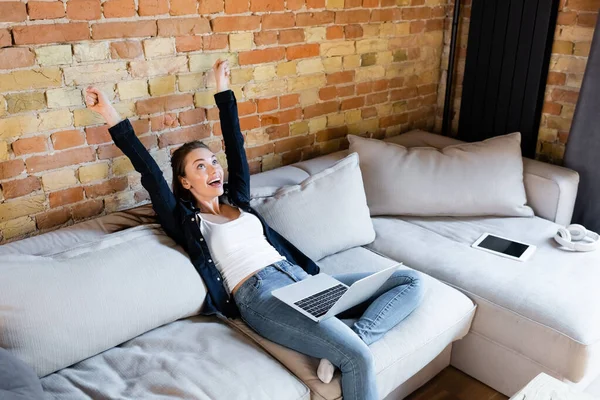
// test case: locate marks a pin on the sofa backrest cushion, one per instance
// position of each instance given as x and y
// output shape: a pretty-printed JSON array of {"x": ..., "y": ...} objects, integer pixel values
[
  {"x": 58, "y": 309},
  {"x": 470, "y": 179},
  {"x": 324, "y": 214}
]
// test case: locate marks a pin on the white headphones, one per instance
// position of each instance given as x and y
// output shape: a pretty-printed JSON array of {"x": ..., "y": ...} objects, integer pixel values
[{"x": 576, "y": 237}]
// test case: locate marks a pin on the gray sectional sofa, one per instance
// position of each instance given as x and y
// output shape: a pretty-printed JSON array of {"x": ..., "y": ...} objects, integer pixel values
[{"x": 500, "y": 321}]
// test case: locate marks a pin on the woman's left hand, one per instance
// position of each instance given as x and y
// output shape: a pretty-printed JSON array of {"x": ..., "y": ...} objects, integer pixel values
[{"x": 222, "y": 74}]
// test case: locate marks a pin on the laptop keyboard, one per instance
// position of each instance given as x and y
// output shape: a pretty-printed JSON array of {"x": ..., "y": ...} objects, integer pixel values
[{"x": 319, "y": 303}]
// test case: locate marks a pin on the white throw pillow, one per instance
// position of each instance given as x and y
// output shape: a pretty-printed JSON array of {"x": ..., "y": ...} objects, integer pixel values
[
  {"x": 60, "y": 309},
  {"x": 471, "y": 179},
  {"x": 324, "y": 214}
]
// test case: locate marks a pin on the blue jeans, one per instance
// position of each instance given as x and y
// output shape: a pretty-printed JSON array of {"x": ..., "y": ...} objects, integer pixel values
[{"x": 346, "y": 347}]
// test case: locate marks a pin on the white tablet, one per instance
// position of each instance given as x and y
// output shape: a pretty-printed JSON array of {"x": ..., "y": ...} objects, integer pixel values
[{"x": 504, "y": 247}]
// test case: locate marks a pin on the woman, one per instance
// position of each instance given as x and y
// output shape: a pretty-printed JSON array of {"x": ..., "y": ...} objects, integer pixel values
[{"x": 241, "y": 259}]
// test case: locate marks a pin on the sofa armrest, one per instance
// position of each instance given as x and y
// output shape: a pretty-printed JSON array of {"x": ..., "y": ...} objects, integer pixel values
[{"x": 551, "y": 190}]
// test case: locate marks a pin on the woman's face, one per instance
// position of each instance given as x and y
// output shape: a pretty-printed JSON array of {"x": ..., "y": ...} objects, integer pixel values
[{"x": 203, "y": 175}]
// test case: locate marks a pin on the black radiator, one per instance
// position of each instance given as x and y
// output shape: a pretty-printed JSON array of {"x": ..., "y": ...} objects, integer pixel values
[{"x": 508, "y": 56}]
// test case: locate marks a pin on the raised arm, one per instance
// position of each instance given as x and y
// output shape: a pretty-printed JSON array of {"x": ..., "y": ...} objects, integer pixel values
[
  {"x": 237, "y": 164},
  {"x": 163, "y": 200}
]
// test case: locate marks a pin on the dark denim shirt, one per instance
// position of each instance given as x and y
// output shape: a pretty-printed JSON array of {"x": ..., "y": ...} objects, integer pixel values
[{"x": 178, "y": 216}]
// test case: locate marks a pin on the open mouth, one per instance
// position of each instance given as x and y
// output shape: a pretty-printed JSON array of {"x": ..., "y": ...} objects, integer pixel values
[{"x": 215, "y": 182}]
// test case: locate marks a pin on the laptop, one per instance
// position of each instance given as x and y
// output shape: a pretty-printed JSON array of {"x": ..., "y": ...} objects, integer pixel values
[{"x": 320, "y": 297}]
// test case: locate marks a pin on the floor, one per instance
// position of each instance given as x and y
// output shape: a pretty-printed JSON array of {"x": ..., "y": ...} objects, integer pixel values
[{"x": 452, "y": 384}]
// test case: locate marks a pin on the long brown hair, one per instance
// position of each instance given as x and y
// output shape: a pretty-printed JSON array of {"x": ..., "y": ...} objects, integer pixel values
[{"x": 178, "y": 166}]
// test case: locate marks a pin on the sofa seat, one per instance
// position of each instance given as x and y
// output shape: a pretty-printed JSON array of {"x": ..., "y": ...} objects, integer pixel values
[
  {"x": 444, "y": 317},
  {"x": 196, "y": 358},
  {"x": 546, "y": 310}
]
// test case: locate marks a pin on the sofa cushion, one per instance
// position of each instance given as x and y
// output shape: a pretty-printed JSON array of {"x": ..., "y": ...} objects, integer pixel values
[
  {"x": 17, "y": 380},
  {"x": 324, "y": 214},
  {"x": 59, "y": 309},
  {"x": 196, "y": 358},
  {"x": 483, "y": 178},
  {"x": 545, "y": 309},
  {"x": 443, "y": 317}
]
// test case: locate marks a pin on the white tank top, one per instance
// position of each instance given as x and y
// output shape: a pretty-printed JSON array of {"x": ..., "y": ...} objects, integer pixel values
[{"x": 239, "y": 247}]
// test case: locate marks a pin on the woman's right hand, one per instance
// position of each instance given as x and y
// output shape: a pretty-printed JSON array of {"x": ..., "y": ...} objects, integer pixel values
[{"x": 97, "y": 101}]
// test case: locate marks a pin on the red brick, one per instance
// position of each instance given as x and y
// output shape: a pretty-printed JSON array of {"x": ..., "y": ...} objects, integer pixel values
[
  {"x": 259, "y": 151},
  {"x": 426, "y": 89},
  {"x": 352, "y": 3},
  {"x": 328, "y": 93},
  {"x": 184, "y": 135},
  {"x": 383, "y": 15},
  {"x": 45, "y": 9},
  {"x": 126, "y": 50},
  {"x": 302, "y": 51},
  {"x": 416, "y": 13},
  {"x": 84, "y": 9},
  {"x": 232, "y": 24},
  {"x": 67, "y": 196},
  {"x": 65, "y": 139},
  {"x": 278, "y": 131},
  {"x": 236, "y": 6},
  {"x": 315, "y": 3},
  {"x": 321, "y": 109},
  {"x": 183, "y": 7},
  {"x": 11, "y": 168},
  {"x": 52, "y": 218},
  {"x": 266, "y": 5},
  {"x": 60, "y": 159},
  {"x": 294, "y": 4},
  {"x": 352, "y": 17},
  {"x": 16, "y": 58},
  {"x": 210, "y": 6},
  {"x": 340, "y": 77},
  {"x": 353, "y": 31},
  {"x": 267, "y": 104},
  {"x": 393, "y": 120},
  {"x": 152, "y": 7},
  {"x": 376, "y": 98},
  {"x": 248, "y": 123},
  {"x": 370, "y": 3},
  {"x": 282, "y": 117},
  {"x": 212, "y": 114},
  {"x": 99, "y": 134},
  {"x": 111, "y": 186},
  {"x": 552, "y": 108},
  {"x": 293, "y": 143},
  {"x": 404, "y": 94},
  {"x": 584, "y": 5},
  {"x": 355, "y": 102},
  {"x": 289, "y": 100},
  {"x": 12, "y": 11},
  {"x": 215, "y": 42},
  {"x": 192, "y": 117},
  {"x": 364, "y": 87},
  {"x": 35, "y": 144},
  {"x": 261, "y": 56},
  {"x": 278, "y": 21},
  {"x": 87, "y": 209},
  {"x": 254, "y": 167},
  {"x": 114, "y": 30},
  {"x": 118, "y": 8},
  {"x": 556, "y": 78},
  {"x": 588, "y": 20},
  {"x": 246, "y": 108},
  {"x": 5, "y": 38},
  {"x": 291, "y": 157},
  {"x": 51, "y": 33},
  {"x": 396, "y": 82},
  {"x": 216, "y": 129},
  {"x": 332, "y": 133},
  {"x": 291, "y": 36},
  {"x": 20, "y": 187},
  {"x": 334, "y": 32},
  {"x": 183, "y": 26},
  {"x": 164, "y": 103},
  {"x": 188, "y": 43},
  {"x": 265, "y": 38},
  {"x": 417, "y": 27},
  {"x": 164, "y": 121},
  {"x": 434, "y": 25},
  {"x": 345, "y": 91},
  {"x": 314, "y": 18},
  {"x": 565, "y": 96}
]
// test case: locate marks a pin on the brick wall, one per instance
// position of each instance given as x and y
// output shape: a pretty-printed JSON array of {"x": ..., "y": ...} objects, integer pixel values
[
  {"x": 574, "y": 31},
  {"x": 306, "y": 73}
]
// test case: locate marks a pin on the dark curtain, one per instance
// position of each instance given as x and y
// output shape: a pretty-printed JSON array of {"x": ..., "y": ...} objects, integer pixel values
[{"x": 583, "y": 147}]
